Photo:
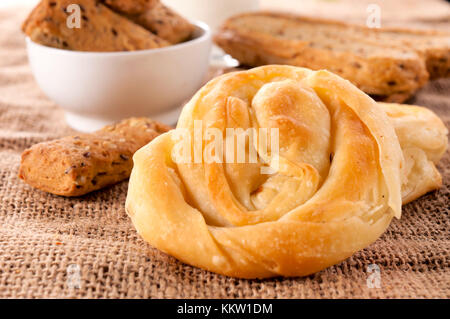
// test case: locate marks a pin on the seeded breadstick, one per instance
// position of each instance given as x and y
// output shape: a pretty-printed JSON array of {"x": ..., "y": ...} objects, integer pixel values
[
  {"x": 156, "y": 17},
  {"x": 79, "y": 164},
  {"x": 100, "y": 29}
]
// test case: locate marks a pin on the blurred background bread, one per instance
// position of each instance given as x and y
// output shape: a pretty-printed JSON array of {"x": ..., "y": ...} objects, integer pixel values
[
  {"x": 390, "y": 64},
  {"x": 155, "y": 17},
  {"x": 427, "y": 14},
  {"x": 107, "y": 25},
  {"x": 100, "y": 28}
]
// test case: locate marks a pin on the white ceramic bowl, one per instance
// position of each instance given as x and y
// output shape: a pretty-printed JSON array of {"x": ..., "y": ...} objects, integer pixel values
[{"x": 98, "y": 88}]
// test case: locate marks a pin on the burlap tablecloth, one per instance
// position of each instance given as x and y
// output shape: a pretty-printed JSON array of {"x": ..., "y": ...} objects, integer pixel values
[{"x": 46, "y": 240}]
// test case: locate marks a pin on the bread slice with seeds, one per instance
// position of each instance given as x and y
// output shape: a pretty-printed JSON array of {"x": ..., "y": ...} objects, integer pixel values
[
  {"x": 100, "y": 28},
  {"x": 433, "y": 46},
  {"x": 389, "y": 64}
]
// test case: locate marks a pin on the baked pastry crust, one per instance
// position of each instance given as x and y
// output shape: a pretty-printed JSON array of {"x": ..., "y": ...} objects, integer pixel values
[
  {"x": 341, "y": 176},
  {"x": 389, "y": 63},
  {"x": 101, "y": 29},
  {"x": 423, "y": 139},
  {"x": 79, "y": 164}
]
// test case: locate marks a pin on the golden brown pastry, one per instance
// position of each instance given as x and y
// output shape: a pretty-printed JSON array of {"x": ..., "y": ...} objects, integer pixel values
[
  {"x": 341, "y": 173},
  {"x": 79, "y": 164},
  {"x": 423, "y": 139}
]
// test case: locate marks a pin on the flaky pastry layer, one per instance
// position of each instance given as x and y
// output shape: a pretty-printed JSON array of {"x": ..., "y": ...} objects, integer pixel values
[{"x": 345, "y": 165}]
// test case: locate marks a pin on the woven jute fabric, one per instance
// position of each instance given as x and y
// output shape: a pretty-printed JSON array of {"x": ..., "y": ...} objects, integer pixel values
[{"x": 55, "y": 247}]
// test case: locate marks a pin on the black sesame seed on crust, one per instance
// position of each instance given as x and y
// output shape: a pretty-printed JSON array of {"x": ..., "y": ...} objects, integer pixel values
[{"x": 69, "y": 169}]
